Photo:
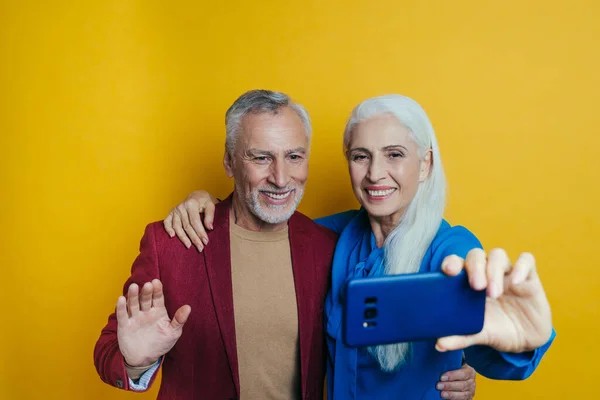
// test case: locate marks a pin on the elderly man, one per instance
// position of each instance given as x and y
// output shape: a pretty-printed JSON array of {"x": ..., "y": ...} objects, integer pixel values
[{"x": 247, "y": 312}]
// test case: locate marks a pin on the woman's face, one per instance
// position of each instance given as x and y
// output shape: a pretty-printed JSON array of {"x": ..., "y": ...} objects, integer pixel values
[{"x": 384, "y": 165}]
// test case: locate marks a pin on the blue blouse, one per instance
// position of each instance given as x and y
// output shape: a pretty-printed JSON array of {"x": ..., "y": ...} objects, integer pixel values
[{"x": 354, "y": 373}]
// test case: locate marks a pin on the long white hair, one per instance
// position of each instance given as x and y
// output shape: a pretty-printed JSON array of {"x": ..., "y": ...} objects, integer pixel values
[{"x": 406, "y": 245}]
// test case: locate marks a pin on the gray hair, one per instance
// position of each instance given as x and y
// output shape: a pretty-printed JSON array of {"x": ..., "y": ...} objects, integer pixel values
[
  {"x": 406, "y": 245},
  {"x": 258, "y": 102}
]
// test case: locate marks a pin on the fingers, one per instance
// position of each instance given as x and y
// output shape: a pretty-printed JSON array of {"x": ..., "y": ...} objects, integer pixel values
[
  {"x": 475, "y": 264},
  {"x": 180, "y": 317},
  {"x": 184, "y": 216},
  {"x": 178, "y": 227},
  {"x": 498, "y": 265},
  {"x": 462, "y": 374},
  {"x": 168, "y": 224},
  {"x": 185, "y": 221},
  {"x": 465, "y": 392},
  {"x": 133, "y": 302},
  {"x": 452, "y": 265},
  {"x": 158, "y": 298},
  {"x": 194, "y": 228},
  {"x": 146, "y": 297},
  {"x": 524, "y": 269},
  {"x": 458, "y": 384},
  {"x": 455, "y": 395},
  {"x": 209, "y": 215},
  {"x": 122, "y": 316},
  {"x": 490, "y": 271},
  {"x": 141, "y": 301}
]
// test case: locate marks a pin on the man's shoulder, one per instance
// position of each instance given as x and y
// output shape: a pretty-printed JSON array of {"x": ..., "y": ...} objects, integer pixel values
[
  {"x": 157, "y": 230},
  {"x": 156, "y": 236},
  {"x": 302, "y": 222}
]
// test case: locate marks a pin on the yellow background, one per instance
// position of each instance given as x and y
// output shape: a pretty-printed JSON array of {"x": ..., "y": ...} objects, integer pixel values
[{"x": 112, "y": 111}]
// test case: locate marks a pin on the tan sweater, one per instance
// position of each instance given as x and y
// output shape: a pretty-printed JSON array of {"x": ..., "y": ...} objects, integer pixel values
[{"x": 266, "y": 317}]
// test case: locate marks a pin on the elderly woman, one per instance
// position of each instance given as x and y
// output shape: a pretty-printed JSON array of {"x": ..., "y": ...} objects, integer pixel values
[{"x": 397, "y": 176}]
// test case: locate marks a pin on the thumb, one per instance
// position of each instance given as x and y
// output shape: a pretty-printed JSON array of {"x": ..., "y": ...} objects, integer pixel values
[
  {"x": 450, "y": 343},
  {"x": 180, "y": 317}
]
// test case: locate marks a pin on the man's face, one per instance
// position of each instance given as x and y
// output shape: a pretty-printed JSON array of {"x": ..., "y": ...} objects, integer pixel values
[{"x": 269, "y": 165}]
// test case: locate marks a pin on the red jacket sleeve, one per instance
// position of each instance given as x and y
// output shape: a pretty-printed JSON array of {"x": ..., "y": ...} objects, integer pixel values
[{"x": 108, "y": 359}]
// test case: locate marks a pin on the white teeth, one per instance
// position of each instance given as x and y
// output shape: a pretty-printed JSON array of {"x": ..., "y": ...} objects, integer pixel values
[
  {"x": 277, "y": 196},
  {"x": 380, "y": 193}
]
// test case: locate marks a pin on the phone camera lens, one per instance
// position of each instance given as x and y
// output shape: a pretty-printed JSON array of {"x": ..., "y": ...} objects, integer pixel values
[{"x": 370, "y": 313}]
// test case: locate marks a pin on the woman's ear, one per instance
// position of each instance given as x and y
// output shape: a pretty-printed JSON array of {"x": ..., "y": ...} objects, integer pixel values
[{"x": 426, "y": 163}]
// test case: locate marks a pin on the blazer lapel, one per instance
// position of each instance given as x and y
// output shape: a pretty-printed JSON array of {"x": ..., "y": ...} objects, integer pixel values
[
  {"x": 302, "y": 258},
  {"x": 217, "y": 257}
]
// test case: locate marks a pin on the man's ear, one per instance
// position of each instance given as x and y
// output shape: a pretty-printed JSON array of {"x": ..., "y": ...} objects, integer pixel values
[
  {"x": 426, "y": 164},
  {"x": 228, "y": 164}
]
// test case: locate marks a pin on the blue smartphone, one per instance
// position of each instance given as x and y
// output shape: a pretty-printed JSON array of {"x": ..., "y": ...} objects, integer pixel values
[{"x": 411, "y": 307}]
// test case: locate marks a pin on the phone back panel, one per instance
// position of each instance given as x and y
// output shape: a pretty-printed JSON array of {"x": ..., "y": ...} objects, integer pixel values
[{"x": 411, "y": 307}]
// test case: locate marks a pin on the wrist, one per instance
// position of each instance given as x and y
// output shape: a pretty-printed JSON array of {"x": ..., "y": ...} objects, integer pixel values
[
  {"x": 135, "y": 373},
  {"x": 141, "y": 365}
]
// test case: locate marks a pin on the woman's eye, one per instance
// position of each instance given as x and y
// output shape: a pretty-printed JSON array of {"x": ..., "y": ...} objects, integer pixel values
[{"x": 396, "y": 155}]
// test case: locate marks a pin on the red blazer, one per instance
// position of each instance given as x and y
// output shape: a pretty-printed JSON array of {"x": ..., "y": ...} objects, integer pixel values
[{"x": 203, "y": 363}]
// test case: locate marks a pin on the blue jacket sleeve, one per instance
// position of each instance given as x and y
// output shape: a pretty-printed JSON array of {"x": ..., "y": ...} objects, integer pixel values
[
  {"x": 494, "y": 364},
  {"x": 337, "y": 222},
  {"x": 456, "y": 240}
]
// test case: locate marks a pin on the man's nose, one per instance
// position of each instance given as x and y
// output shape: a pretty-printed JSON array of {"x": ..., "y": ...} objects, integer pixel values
[{"x": 279, "y": 175}]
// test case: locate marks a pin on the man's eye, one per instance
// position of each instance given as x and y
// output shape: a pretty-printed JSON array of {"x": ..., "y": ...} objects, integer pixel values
[
  {"x": 295, "y": 157},
  {"x": 262, "y": 160},
  {"x": 359, "y": 157}
]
